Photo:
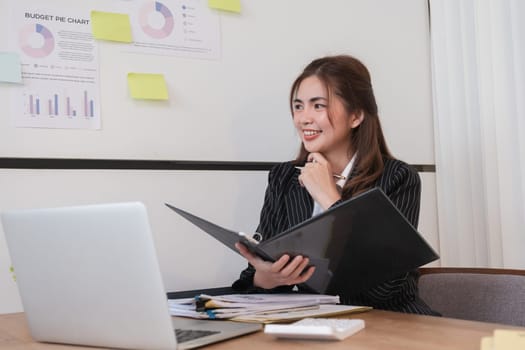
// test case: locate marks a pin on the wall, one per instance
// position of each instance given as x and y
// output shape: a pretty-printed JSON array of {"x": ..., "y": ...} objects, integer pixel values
[{"x": 234, "y": 109}]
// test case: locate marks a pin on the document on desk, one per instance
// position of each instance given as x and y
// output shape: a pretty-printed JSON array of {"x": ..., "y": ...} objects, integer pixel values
[
  {"x": 269, "y": 298},
  {"x": 324, "y": 310},
  {"x": 264, "y": 308}
]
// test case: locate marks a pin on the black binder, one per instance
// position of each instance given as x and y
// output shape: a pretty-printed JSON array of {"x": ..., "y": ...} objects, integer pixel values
[{"x": 354, "y": 245}]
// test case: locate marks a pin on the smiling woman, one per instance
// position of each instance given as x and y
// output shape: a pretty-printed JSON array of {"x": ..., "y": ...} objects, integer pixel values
[{"x": 335, "y": 114}]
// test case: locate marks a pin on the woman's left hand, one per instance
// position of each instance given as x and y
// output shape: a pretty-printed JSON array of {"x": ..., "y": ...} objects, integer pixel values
[
  {"x": 286, "y": 271},
  {"x": 317, "y": 177}
]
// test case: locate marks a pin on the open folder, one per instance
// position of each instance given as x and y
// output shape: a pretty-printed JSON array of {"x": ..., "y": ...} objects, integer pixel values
[{"x": 354, "y": 245}]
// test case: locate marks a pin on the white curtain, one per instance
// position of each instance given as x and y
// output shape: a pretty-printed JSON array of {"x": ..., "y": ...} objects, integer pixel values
[{"x": 478, "y": 73}]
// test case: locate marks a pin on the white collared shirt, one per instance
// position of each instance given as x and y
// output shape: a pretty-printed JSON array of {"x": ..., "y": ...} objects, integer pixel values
[{"x": 341, "y": 182}]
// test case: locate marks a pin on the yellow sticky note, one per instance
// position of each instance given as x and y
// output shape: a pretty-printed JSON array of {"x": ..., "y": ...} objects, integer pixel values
[
  {"x": 144, "y": 86},
  {"x": 487, "y": 343},
  {"x": 506, "y": 339},
  {"x": 227, "y": 5},
  {"x": 111, "y": 26}
]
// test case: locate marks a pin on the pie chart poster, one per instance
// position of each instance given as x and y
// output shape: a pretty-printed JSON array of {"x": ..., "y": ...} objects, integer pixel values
[
  {"x": 59, "y": 61},
  {"x": 186, "y": 28}
]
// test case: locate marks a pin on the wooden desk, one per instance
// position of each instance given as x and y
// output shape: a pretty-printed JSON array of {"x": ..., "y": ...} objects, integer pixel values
[{"x": 384, "y": 330}]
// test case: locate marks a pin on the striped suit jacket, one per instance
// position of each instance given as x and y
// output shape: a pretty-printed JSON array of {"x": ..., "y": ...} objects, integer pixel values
[{"x": 287, "y": 204}]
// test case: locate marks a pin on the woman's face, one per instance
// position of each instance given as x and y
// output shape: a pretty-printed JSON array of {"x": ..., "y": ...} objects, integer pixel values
[{"x": 319, "y": 133}]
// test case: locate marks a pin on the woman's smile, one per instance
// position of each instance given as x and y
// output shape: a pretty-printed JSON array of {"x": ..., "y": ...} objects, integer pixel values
[{"x": 310, "y": 134}]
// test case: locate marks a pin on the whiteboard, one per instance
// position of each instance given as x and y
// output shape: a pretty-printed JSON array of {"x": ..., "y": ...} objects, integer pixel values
[
  {"x": 231, "y": 109},
  {"x": 236, "y": 108}
]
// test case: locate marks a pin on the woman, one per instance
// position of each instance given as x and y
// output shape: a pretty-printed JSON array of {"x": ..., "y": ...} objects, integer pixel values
[{"x": 343, "y": 153}]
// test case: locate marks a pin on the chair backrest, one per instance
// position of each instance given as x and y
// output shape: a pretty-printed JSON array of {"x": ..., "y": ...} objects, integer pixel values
[{"x": 478, "y": 294}]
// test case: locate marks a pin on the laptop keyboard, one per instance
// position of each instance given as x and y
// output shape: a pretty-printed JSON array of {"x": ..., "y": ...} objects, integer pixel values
[{"x": 184, "y": 335}]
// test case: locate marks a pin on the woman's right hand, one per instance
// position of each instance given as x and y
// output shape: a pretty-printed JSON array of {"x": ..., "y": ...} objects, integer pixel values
[{"x": 282, "y": 272}]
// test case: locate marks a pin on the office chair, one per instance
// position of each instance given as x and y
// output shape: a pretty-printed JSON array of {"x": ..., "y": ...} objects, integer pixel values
[{"x": 478, "y": 294}]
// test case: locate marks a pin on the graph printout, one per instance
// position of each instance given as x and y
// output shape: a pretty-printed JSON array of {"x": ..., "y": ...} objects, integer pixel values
[
  {"x": 59, "y": 62},
  {"x": 187, "y": 28}
]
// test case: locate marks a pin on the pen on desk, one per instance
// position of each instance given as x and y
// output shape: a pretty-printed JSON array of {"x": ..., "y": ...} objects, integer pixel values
[{"x": 337, "y": 176}]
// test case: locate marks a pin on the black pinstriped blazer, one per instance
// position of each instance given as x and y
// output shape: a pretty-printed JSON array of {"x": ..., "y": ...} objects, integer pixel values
[{"x": 287, "y": 204}]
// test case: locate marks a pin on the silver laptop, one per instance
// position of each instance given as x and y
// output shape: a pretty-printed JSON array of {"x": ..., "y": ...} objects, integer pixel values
[{"x": 89, "y": 275}]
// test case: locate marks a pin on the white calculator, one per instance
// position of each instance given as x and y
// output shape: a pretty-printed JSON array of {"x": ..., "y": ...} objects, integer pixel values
[{"x": 317, "y": 328}]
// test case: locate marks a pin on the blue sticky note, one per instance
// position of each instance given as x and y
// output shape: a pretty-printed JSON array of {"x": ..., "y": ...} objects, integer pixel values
[{"x": 10, "y": 69}]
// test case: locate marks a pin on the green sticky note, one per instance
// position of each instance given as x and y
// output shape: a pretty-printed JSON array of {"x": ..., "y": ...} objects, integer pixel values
[
  {"x": 111, "y": 26},
  {"x": 144, "y": 86},
  {"x": 12, "y": 270},
  {"x": 226, "y": 5},
  {"x": 10, "y": 69}
]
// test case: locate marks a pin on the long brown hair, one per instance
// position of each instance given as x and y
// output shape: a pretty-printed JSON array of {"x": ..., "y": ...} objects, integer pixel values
[{"x": 346, "y": 77}]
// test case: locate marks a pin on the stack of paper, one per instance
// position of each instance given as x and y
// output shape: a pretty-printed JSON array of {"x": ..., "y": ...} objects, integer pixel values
[
  {"x": 323, "y": 310},
  {"x": 262, "y": 308}
]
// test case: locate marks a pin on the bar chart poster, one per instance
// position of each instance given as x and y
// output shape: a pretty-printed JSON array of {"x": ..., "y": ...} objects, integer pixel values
[
  {"x": 59, "y": 60},
  {"x": 186, "y": 28}
]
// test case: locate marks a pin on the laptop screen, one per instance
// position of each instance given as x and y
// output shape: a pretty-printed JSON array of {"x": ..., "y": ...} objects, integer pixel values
[{"x": 89, "y": 275}]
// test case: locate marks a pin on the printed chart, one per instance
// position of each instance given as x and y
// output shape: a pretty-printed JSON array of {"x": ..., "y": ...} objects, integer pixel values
[
  {"x": 27, "y": 38},
  {"x": 151, "y": 14},
  {"x": 186, "y": 28},
  {"x": 56, "y": 104},
  {"x": 59, "y": 61}
]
